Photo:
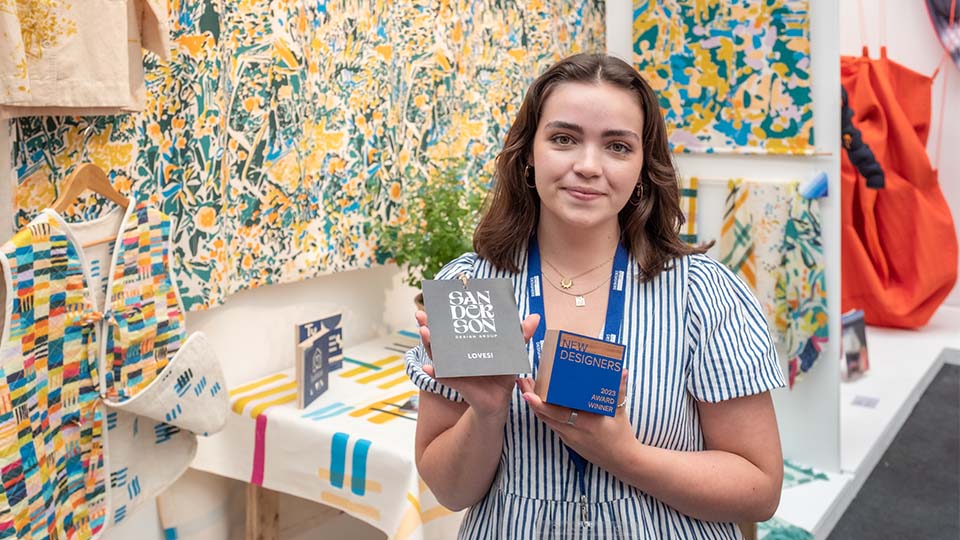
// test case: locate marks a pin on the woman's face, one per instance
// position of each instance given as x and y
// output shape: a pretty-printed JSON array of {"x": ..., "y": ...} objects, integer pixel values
[{"x": 587, "y": 153}]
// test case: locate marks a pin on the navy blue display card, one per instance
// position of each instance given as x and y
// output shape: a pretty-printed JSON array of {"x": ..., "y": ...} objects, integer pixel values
[
  {"x": 580, "y": 372},
  {"x": 474, "y": 328},
  {"x": 313, "y": 369},
  {"x": 319, "y": 351},
  {"x": 329, "y": 328}
]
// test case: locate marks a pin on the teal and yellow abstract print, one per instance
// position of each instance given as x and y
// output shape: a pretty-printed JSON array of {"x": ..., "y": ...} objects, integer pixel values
[
  {"x": 732, "y": 76},
  {"x": 283, "y": 133}
]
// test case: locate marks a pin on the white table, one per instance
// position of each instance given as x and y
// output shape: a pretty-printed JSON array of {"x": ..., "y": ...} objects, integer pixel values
[{"x": 352, "y": 449}]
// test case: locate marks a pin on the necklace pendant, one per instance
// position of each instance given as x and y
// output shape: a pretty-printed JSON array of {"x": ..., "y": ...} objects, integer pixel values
[
  {"x": 566, "y": 283},
  {"x": 581, "y": 301}
]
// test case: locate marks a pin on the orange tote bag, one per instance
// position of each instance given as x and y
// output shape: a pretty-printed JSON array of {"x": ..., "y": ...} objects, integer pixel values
[{"x": 898, "y": 242}]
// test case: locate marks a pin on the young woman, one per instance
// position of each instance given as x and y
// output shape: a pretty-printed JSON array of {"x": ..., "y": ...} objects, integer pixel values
[{"x": 585, "y": 195}]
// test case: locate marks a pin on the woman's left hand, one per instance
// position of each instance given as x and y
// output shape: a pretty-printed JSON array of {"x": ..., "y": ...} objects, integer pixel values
[{"x": 599, "y": 439}]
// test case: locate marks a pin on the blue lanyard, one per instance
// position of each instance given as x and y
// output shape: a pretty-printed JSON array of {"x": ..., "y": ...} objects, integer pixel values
[{"x": 611, "y": 328}]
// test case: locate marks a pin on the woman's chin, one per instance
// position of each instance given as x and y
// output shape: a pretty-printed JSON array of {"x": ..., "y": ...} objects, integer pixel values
[{"x": 585, "y": 220}]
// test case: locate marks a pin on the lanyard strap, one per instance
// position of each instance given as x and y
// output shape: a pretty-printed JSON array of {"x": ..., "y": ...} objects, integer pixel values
[{"x": 611, "y": 326}]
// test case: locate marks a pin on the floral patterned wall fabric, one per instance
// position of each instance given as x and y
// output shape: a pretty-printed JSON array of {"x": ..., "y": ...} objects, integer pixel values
[
  {"x": 283, "y": 132},
  {"x": 732, "y": 76}
]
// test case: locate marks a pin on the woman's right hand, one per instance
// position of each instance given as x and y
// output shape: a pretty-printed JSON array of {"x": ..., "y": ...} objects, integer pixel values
[{"x": 488, "y": 396}]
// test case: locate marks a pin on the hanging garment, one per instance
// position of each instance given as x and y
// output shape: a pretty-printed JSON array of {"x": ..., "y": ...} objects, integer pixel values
[
  {"x": 14, "y": 84},
  {"x": 771, "y": 238},
  {"x": 96, "y": 378},
  {"x": 899, "y": 245},
  {"x": 77, "y": 58}
]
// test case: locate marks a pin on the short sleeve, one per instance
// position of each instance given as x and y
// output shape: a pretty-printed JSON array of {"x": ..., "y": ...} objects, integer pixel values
[
  {"x": 417, "y": 357},
  {"x": 731, "y": 353}
]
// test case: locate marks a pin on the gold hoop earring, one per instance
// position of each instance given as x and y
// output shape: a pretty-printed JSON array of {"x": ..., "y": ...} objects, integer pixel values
[
  {"x": 639, "y": 193},
  {"x": 526, "y": 177}
]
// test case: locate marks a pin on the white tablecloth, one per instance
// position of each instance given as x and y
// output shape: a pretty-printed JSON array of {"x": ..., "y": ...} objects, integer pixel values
[{"x": 352, "y": 449}]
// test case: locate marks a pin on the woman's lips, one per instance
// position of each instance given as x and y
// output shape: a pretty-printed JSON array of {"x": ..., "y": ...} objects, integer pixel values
[{"x": 583, "y": 194}]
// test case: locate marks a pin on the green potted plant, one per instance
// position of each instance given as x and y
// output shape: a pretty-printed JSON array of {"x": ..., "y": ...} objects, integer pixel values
[{"x": 439, "y": 228}]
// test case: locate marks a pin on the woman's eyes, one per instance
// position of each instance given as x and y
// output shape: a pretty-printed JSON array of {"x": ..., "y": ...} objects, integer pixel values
[
  {"x": 567, "y": 140},
  {"x": 619, "y": 148}
]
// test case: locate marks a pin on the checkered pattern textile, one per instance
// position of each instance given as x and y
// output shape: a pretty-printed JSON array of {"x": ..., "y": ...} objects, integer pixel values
[
  {"x": 145, "y": 317},
  {"x": 51, "y": 425}
]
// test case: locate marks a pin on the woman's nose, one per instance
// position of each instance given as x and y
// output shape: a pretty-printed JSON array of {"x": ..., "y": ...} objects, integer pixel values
[{"x": 587, "y": 163}]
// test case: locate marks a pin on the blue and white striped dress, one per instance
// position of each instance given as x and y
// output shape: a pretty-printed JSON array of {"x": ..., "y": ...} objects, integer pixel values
[{"x": 695, "y": 333}]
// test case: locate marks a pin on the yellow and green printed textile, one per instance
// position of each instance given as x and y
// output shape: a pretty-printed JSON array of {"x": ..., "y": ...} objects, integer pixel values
[
  {"x": 282, "y": 134},
  {"x": 731, "y": 76},
  {"x": 51, "y": 425}
]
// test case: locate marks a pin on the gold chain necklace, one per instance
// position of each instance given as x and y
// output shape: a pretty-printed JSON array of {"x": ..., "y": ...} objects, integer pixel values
[
  {"x": 566, "y": 283},
  {"x": 579, "y": 299}
]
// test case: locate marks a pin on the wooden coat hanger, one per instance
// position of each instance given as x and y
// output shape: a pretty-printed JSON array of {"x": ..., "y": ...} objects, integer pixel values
[{"x": 89, "y": 176}]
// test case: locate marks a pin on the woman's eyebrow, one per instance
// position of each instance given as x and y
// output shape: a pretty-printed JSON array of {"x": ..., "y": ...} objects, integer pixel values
[
  {"x": 560, "y": 124},
  {"x": 621, "y": 133}
]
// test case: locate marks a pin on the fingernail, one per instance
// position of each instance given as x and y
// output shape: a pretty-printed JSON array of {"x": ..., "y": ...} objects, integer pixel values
[{"x": 526, "y": 398}]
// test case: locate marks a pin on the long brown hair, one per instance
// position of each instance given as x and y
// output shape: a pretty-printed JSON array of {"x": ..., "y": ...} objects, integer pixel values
[{"x": 649, "y": 223}]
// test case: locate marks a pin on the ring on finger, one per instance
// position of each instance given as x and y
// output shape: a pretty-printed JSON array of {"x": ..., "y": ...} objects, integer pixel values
[
  {"x": 572, "y": 421},
  {"x": 622, "y": 403}
]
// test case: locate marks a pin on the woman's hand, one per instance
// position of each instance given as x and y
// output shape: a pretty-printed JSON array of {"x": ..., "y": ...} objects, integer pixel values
[
  {"x": 599, "y": 439},
  {"x": 489, "y": 396}
]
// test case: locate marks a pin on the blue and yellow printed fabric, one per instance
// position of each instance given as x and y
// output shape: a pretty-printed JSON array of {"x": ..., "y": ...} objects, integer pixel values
[{"x": 732, "y": 76}]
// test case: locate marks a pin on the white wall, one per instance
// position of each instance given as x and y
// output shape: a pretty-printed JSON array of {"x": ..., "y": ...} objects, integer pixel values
[
  {"x": 912, "y": 41},
  {"x": 808, "y": 415},
  {"x": 253, "y": 331}
]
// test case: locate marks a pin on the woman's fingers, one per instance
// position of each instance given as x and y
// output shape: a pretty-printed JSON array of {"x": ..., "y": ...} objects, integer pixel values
[
  {"x": 529, "y": 326},
  {"x": 525, "y": 384},
  {"x": 425, "y": 339},
  {"x": 543, "y": 409},
  {"x": 428, "y": 369}
]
